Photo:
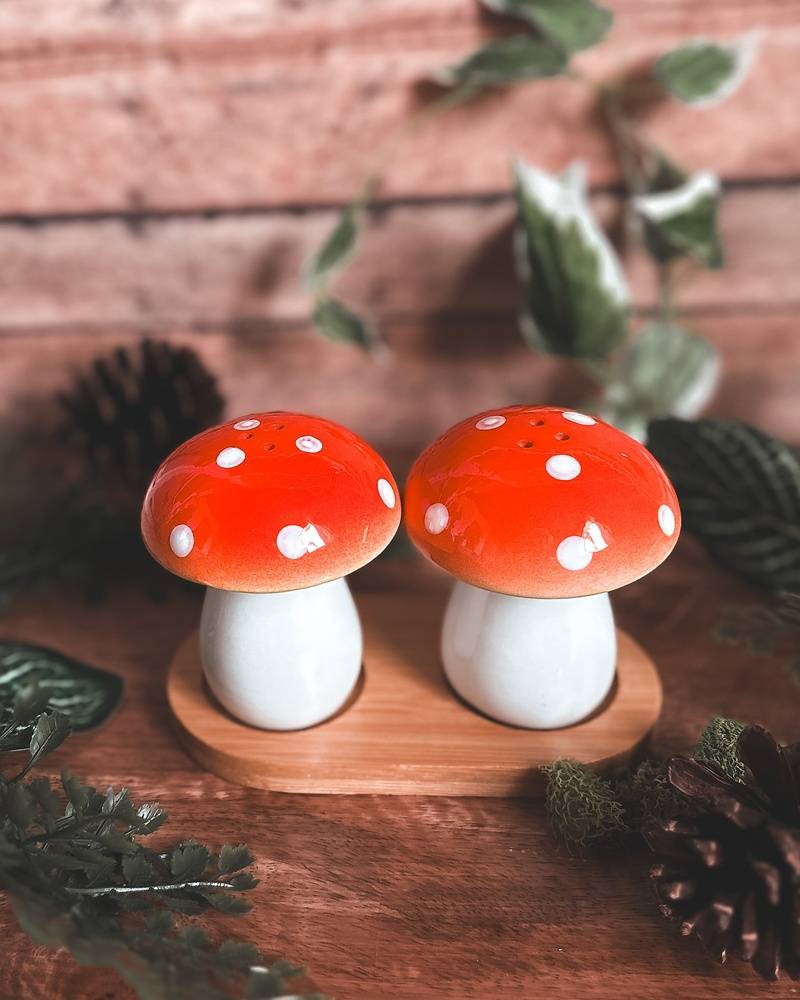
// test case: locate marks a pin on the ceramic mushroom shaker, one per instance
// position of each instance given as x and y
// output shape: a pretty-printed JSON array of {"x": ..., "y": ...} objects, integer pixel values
[
  {"x": 270, "y": 512},
  {"x": 538, "y": 512}
]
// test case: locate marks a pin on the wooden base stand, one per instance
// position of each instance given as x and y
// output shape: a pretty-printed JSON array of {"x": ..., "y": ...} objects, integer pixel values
[{"x": 405, "y": 732}]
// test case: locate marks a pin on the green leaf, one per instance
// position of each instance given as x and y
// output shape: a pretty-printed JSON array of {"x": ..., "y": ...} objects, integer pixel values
[
  {"x": 149, "y": 817},
  {"x": 682, "y": 222},
  {"x": 336, "y": 251},
  {"x": 570, "y": 24},
  {"x": 504, "y": 61},
  {"x": 666, "y": 371},
  {"x": 576, "y": 301},
  {"x": 662, "y": 173},
  {"x": 234, "y": 857},
  {"x": 195, "y": 937},
  {"x": 49, "y": 802},
  {"x": 226, "y": 903},
  {"x": 703, "y": 73},
  {"x": 740, "y": 493},
  {"x": 161, "y": 922},
  {"x": 137, "y": 870},
  {"x": 189, "y": 860},
  {"x": 30, "y": 700},
  {"x": 239, "y": 954},
  {"x": 20, "y": 805},
  {"x": 49, "y": 733},
  {"x": 264, "y": 983},
  {"x": 338, "y": 323},
  {"x": 243, "y": 882},
  {"x": 77, "y": 793},
  {"x": 85, "y": 694}
]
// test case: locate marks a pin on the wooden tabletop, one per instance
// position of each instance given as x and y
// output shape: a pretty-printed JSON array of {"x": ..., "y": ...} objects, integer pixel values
[{"x": 416, "y": 897}]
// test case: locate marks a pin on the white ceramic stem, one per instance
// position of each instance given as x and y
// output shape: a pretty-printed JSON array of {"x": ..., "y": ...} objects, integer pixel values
[
  {"x": 541, "y": 664},
  {"x": 281, "y": 661}
]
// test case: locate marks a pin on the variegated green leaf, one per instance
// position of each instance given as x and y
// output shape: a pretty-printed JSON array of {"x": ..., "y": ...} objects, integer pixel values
[
  {"x": 570, "y": 24},
  {"x": 505, "y": 60},
  {"x": 576, "y": 301},
  {"x": 84, "y": 694},
  {"x": 335, "y": 321},
  {"x": 336, "y": 251},
  {"x": 666, "y": 371},
  {"x": 682, "y": 222},
  {"x": 739, "y": 490},
  {"x": 703, "y": 72}
]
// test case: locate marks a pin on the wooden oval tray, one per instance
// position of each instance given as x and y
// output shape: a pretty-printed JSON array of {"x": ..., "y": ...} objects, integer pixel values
[{"x": 405, "y": 732}]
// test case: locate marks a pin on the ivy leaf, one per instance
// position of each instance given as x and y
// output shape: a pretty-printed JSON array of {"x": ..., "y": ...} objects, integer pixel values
[
  {"x": 703, "y": 73},
  {"x": 570, "y": 24},
  {"x": 576, "y": 300},
  {"x": 666, "y": 371},
  {"x": 49, "y": 733},
  {"x": 682, "y": 222},
  {"x": 338, "y": 323},
  {"x": 336, "y": 251},
  {"x": 504, "y": 61},
  {"x": 85, "y": 694},
  {"x": 662, "y": 172},
  {"x": 739, "y": 490},
  {"x": 234, "y": 857}
]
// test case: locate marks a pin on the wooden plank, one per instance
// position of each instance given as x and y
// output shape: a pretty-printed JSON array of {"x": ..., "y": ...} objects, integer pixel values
[
  {"x": 423, "y": 259},
  {"x": 186, "y": 105},
  {"x": 404, "y": 733},
  {"x": 438, "y": 371},
  {"x": 450, "y": 899}
]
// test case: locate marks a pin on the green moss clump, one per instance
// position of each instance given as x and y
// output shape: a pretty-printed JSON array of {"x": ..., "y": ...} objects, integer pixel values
[
  {"x": 581, "y": 806},
  {"x": 587, "y": 811},
  {"x": 718, "y": 745},
  {"x": 647, "y": 794}
]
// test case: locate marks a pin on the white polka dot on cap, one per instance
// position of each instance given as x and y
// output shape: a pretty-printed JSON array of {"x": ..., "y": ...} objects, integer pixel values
[
  {"x": 308, "y": 444},
  {"x": 574, "y": 553},
  {"x": 181, "y": 540},
  {"x": 386, "y": 493},
  {"x": 490, "y": 423},
  {"x": 437, "y": 517},
  {"x": 246, "y": 425},
  {"x": 578, "y": 418},
  {"x": 229, "y": 458},
  {"x": 563, "y": 467},
  {"x": 666, "y": 520}
]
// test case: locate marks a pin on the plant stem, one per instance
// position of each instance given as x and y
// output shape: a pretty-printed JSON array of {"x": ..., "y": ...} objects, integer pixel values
[
  {"x": 126, "y": 890},
  {"x": 666, "y": 292}
]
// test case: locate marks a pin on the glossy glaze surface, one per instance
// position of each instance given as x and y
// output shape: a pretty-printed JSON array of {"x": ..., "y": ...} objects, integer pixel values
[
  {"x": 541, "y": 502},
  {"x": 270, "y": 502},
  {"x": 281, "y": 661},
  {"x": 527, "y": 662}
]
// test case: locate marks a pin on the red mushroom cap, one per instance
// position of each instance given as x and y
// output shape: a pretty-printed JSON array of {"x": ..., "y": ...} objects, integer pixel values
[
  {"x": 270, "y": 502},
  {"x": 537, "y": 501}
]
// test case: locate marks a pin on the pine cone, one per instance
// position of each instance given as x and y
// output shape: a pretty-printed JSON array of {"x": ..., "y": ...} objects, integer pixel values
[
  {"x": 731, "y": 869},
  {"x": 135, "y": 406}
]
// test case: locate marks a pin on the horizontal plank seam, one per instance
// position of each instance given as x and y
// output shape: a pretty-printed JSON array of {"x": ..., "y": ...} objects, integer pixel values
[
  {"x": 142, "y": 217},
  {"x": 245, "y": 326}
]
